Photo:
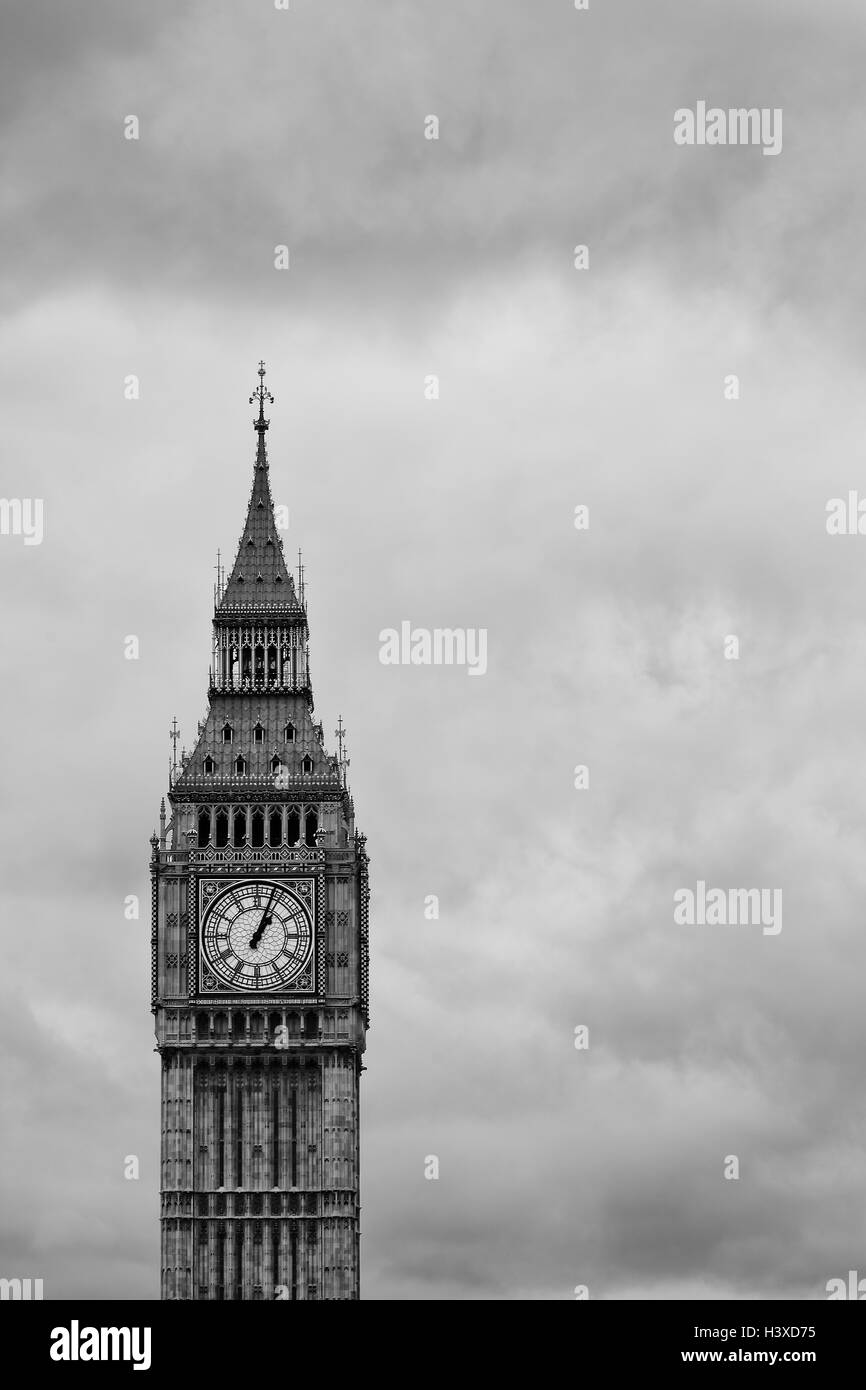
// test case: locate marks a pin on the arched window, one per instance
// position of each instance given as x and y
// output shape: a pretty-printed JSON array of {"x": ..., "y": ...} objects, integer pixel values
[
  {"x": 259, "y": 663},
  {"x": 258, "y": 733},
  {"x": 289, "y": 733},
  {"x": 272, "y": 663},
  {"x": 275, "y": 829},
  {"x": 240, "y": 765},
  {"x": 239, "y": 827},
  {"x": 204, "y": 826},
  {"x": 209, "y": 766},
  {"x": 275, "y": 764},
  {"x": 293, "y": 826},
  {"x": 307, "y": 764},
  {"x": 222, "y": 828},
  {"x": 246, "y": 663},
  {"x": 257, "y": 837},
  {"x": 311, "y": 1024},
  {"x": 311, "y": 825},
  {"x": 228, "y": 733}
]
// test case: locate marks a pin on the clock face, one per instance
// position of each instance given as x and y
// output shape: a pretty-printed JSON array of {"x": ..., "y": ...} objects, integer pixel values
[{"x": 257, "y": 937}]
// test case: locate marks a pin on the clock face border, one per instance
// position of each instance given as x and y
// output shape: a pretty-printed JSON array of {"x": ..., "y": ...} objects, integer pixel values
[{"x": 206, "y": 987}]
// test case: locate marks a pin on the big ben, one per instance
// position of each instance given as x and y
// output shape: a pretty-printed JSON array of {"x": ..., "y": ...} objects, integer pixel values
[{"x": 260, "y": 958}]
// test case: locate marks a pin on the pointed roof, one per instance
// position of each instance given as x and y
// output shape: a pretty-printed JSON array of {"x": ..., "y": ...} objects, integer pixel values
[
  {"x": 259, "y": 578},
  {"x": 271, "y": 713}
]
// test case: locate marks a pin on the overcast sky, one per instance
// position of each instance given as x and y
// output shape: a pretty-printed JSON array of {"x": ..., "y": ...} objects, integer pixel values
[{"x": 605, "y": 387}]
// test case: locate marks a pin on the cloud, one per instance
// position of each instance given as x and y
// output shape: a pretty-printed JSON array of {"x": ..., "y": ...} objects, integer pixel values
[{"x": 558, "y": 1167}]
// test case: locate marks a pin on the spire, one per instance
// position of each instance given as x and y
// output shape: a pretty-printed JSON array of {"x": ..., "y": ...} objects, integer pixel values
[
  {"x": 259, "y": 579},
  {"x": 259, "y": 686}
]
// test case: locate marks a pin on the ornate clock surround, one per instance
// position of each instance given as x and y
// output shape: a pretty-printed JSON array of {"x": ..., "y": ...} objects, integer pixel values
[{"x": 204, "y": 887}]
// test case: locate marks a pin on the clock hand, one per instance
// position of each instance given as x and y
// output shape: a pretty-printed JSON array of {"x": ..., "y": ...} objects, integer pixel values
[
  {"x": 266, "y": 918},
  {"x": 257, "y": 934}
]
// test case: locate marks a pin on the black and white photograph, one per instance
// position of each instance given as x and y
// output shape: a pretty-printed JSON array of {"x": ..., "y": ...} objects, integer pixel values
[{"x": 433, "y": 544}]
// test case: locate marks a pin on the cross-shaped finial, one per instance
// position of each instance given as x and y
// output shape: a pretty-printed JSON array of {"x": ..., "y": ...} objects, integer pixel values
[{"x": 261, "y": 394}]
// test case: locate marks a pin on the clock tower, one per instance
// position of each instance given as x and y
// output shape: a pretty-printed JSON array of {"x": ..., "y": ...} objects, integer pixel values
[{"x": 259, "y": 958}]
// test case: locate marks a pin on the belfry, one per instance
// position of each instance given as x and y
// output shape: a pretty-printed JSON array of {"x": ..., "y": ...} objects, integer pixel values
[{"x": 259, "y": 951}]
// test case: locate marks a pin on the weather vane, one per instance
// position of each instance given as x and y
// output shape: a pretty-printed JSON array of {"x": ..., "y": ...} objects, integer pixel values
[{"x": 261, "y": 394}]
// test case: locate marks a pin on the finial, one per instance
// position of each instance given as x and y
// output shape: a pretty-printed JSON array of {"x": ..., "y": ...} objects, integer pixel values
[
  {"x": 218, "y": 587},
  {"x": 174, "y": 735},
  {"x": 300, "y": 579},
  {"x": 261, "y": 394},
  {"x": 342, "y": 760}
]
